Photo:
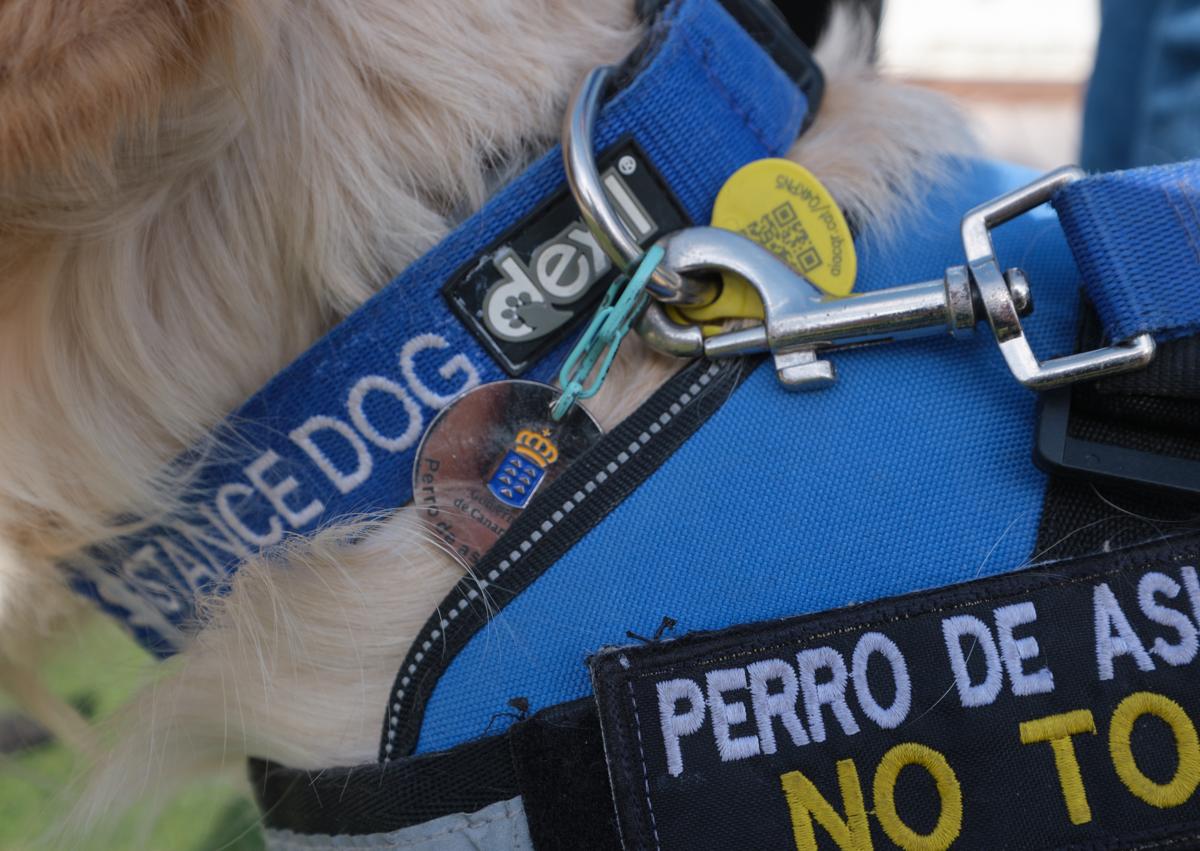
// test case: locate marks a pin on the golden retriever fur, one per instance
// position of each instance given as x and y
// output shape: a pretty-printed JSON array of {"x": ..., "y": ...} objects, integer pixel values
[{"x": 193, "y": 191}]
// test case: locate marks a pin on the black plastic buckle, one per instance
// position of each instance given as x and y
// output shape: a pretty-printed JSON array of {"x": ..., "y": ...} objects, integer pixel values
[{"x": 1060, "y": 452}]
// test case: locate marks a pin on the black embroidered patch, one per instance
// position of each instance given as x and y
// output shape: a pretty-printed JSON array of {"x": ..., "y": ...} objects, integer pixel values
[
  {"x": 1051, "y": 708},
  {"x": 532, "y": 286}
]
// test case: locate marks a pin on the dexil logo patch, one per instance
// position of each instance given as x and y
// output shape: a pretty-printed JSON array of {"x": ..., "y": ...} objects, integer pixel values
[
  {"x": 530, "y": 288},
  {"x": 1051, "y": 708}
]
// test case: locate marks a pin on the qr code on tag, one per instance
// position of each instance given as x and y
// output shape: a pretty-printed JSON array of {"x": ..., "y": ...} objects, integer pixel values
[{"x": 781, "y": 232}]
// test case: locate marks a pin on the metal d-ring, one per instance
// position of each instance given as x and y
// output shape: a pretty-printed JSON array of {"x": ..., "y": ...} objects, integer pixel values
[
  {"x": 1002, "y": 313},
  {"x": 599, "y": 214}
]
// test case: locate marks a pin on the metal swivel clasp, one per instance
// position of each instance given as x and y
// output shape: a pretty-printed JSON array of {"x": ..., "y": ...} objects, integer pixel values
[{"x": 802, "y": 322}]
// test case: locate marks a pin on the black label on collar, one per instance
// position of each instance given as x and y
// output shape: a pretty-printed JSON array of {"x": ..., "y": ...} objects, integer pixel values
[
  {"x": 1052, "y": 708},
  {"x": 530, "y": 288}
]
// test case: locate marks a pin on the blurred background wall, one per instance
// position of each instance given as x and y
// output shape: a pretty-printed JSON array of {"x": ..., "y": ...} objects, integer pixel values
[{"x": 1020, "y": 67}]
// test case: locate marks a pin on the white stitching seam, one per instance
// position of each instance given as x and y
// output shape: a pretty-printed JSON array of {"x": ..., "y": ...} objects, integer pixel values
[
  {"x": 637, "y": 723},
  {"x": 569, "y": 504}
]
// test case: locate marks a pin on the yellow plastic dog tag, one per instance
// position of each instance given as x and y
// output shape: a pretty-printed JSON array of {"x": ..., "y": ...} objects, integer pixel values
[{"x": 784, "y": 208}]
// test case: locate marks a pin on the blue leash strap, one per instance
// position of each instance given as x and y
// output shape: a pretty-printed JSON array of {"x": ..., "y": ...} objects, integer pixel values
[{"x": 1135, "y": 236}]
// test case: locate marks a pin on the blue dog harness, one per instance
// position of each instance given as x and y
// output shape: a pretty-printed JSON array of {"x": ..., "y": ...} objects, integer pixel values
[{"x": 748, "y": 618}]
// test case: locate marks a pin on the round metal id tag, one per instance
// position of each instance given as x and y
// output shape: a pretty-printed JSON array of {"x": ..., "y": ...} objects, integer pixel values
[{"x": 487, "y": 453}]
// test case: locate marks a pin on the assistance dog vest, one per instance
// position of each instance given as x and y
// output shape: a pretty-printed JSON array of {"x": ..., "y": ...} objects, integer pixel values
[{"x": 854, "y": 618}]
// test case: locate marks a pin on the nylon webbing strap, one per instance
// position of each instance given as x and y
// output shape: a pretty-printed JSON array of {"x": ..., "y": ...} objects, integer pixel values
[{"x": 1136, "y": 237}]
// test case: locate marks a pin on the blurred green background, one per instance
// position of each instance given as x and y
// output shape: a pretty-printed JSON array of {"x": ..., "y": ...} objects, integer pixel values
[{"x": 100, "y": 666}]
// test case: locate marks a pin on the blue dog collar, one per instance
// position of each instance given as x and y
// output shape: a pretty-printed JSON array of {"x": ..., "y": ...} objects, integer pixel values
[{"x": 333, "y": 436}]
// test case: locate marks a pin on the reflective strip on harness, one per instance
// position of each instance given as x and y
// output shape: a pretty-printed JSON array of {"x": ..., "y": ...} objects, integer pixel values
[
  {"x": 497, "y": 827},
  {"x": 1039, "y": 709}
]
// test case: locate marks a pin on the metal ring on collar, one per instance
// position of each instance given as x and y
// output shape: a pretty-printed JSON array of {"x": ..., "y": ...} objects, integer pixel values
[{"x": 599, "y": 215}]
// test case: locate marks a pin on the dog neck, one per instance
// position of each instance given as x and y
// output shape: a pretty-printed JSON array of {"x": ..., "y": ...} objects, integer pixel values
[{"x": 243, "y": 211}]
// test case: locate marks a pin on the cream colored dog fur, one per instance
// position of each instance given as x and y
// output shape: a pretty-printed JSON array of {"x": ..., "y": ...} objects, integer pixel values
[{"x": 191, "y": 193}]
